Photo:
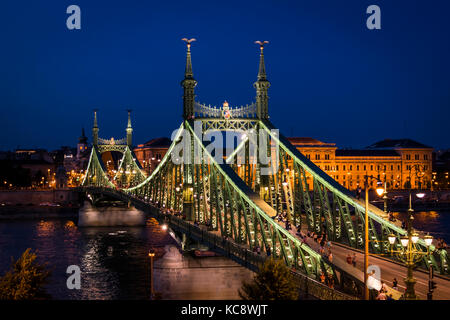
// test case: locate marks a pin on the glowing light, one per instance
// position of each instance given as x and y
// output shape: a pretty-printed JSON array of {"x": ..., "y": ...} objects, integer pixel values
[
  {"x": 428, "y": 240},
  {"x": 391, "y": 238},
  {"x": 404, "y": 241},
  {"x": 420, "y": 195},
  {"x": 380, "y": 190}
]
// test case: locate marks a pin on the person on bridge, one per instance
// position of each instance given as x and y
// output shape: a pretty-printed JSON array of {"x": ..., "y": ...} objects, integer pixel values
[
  {"x": 395, "y": 284},
  {"x": 330, "y": 255},
  {"x": 322, "y": 277},
  {"x": 381, "y": 295},
  {"x": 349, "y": 259}
]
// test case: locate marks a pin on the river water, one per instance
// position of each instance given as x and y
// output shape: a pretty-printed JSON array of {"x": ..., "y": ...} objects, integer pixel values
[{"x": 114, "y": 260}]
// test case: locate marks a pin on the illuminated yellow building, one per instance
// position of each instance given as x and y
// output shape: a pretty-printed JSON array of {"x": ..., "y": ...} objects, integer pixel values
[
  {"x": 398, "y": 162},
  {"x": 151, "y": 153}
]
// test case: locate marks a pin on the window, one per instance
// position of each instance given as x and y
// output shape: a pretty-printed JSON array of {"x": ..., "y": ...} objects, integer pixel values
[
  {"x": 357, "y": 167},
  {"x": 343, "y": 177},
  {"x": 398, "y": 167},
  {"x": 425, "y": 157},
  {"x": 327, "y": 157},
  {"x": 416, "y": 157},
  {"x": 344, "y": 167},
  {"x": 337, "y": 177},
  {"x": 351, "y": 167},
  {"x": 371, "y": 167},
  {"x": 384, "y": 167},
  {"x": 158, "y": 156},
  {"x": 317, "y": 156},
  {"x": 337, "y": 168},
  {"x": 408, "y": 157},
  {"x": 364, "y": 167},
  {"x": 392, "y": 167},
  {"x": 308, "y": 156}
]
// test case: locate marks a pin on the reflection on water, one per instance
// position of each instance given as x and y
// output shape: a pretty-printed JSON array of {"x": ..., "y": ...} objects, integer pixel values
[
  {"x": 113, "y": 260},
  {"x": 435, "y": 222}
]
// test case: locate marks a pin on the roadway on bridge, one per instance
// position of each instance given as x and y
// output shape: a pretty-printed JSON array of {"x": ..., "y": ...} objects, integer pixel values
[{"x": 391, "y": 270}]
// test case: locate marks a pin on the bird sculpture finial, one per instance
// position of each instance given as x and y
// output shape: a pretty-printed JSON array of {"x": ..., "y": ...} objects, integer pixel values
[
  {"x": 188, "y": 41},
  {"x": 261, "y": 44}
]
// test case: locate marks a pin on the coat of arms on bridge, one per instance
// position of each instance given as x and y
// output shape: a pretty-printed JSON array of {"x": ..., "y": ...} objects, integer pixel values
[{"x": 226, "y": 113}]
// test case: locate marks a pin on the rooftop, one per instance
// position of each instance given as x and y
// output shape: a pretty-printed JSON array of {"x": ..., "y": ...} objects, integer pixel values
[
  {"x": 366, "y": 153},
  {"x": 162, "y": 142},
  {"x": 306, "y": 141},
  {"x": 397, "y": 143}
]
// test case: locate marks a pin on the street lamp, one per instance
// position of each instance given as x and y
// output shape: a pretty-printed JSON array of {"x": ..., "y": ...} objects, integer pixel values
[
  {"x": 151, "y": 254},
  {"x": 385, "y": 198},
  {"x": 379, "y": 189},
  {"x": 409, "y": 253}
]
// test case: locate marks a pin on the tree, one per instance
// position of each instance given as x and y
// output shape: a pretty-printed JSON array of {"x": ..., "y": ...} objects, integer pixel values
[
  {"x": 273, "y": 282},
  {"x": 25, "y": 280}
]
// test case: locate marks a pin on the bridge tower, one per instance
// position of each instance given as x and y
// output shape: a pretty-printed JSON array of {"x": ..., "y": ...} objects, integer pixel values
[
  {"x": 188, "y": 84},
  {"x": 129, "y": 130},
  {"x": 262, "y": 86},
  {"x": 95, "y": 130}
]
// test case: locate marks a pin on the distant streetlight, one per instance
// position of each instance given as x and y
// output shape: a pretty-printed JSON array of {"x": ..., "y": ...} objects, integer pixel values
[{"x": 151, "y": 254}]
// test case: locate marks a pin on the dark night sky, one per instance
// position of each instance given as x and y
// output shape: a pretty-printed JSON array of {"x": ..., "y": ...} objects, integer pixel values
[{"x": 332, "y": 78}]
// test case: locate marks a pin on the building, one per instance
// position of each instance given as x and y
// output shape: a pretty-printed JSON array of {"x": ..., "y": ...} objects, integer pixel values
[
  {"x": 399, "y": 162},
  {"x": 441, "y": 169},
  {"x": 151, "y": 153}
]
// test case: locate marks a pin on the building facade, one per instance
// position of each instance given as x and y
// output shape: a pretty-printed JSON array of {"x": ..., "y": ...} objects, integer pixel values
[
  {"x": 401, "y": 163},
  {"x": 151, "y": 153}
]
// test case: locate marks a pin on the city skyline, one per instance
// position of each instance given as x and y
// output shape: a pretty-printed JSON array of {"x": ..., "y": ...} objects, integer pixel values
[{"x": 328, "y": 72}]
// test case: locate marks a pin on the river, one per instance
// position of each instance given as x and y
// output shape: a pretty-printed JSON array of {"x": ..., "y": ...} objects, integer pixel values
[{"x": 114, "y": 260}]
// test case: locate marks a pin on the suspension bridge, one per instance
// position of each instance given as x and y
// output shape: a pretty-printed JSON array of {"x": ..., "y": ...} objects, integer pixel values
[{"x": 233, "y": 205}]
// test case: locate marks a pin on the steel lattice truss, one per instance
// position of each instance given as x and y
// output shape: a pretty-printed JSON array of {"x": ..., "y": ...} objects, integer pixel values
[
  {"x": 129, "y": 173},
  {"x": 221, "y": 199},
  {"x": 239, "y": 203}
]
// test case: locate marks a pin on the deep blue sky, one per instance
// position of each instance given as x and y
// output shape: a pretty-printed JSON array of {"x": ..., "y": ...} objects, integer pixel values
[{"x": 332, "y": 78}]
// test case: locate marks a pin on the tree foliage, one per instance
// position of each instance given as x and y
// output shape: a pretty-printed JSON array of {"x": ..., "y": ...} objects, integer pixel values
[
  {"x": 25, "y": 280},
  {"x": 273, "y": 282}
]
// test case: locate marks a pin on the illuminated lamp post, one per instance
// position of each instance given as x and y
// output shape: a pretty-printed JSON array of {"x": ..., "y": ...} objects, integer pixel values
[{"x": 379, "y": 191}]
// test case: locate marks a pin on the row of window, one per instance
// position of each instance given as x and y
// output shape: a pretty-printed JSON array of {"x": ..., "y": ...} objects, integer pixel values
[
  {"x": 378, "y": 167},
  {"x": 417, "y": 157},
  {"x": 408, "y": 156}
]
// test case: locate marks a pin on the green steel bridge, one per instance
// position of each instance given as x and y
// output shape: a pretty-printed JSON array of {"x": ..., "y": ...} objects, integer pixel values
[{"x": 234, "y": 202}]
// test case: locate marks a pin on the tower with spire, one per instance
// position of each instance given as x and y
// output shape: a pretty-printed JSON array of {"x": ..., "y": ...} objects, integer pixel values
[
  {"x": 129, "y": 130},
  {"x": 188, "y": 84},
  {"x": 262, "y": 86},
  {"x": 95, "y": 130},
  {"x": 82, "y": 145}
]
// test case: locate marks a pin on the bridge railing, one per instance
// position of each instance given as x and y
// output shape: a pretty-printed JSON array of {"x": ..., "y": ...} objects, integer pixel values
[{"x": 253, "y": 260}]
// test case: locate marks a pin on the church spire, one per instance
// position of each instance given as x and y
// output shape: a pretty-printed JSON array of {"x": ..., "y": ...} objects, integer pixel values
[
  {"x": 129, "y": 129},
  {"x": 188, "y": 84},
  {"x": 95, "y": 130},
  {"x": 262, "y": 86}
]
